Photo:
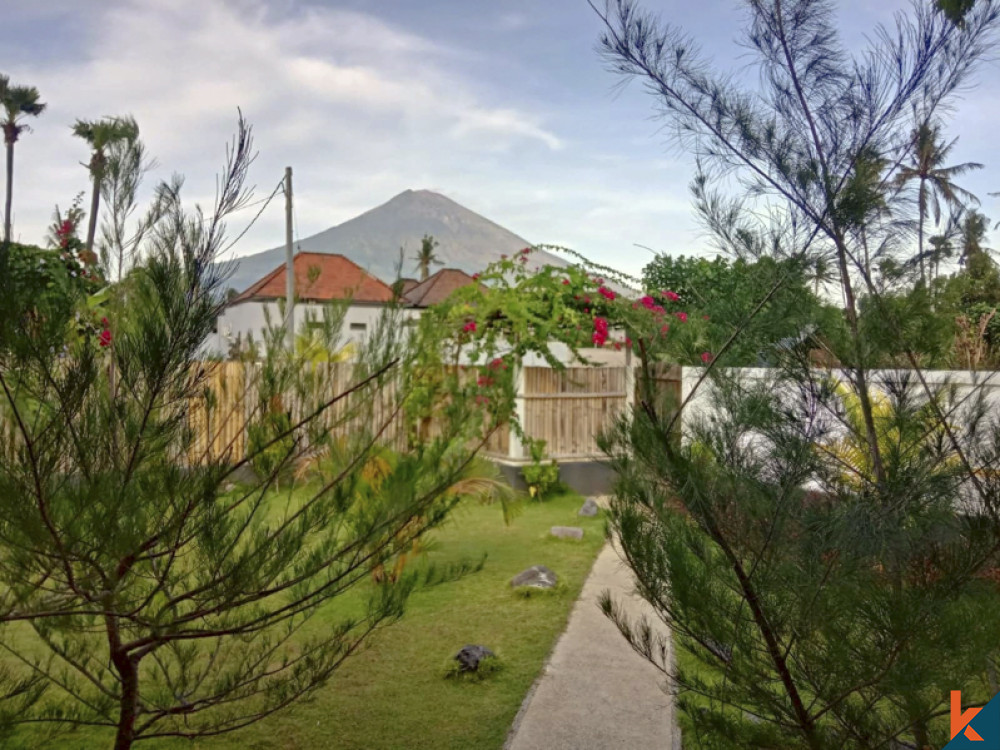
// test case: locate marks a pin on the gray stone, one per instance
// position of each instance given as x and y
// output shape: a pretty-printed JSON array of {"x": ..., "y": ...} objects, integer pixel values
[
  {"x": 567, "y": 532},
  {"x": 589, "y": 508},
  {"x": 469, "y": 657},
  {"x": 536, "y": 577}
]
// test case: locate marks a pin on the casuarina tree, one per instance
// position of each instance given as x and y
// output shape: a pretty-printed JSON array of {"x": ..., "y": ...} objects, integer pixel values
[
  {"x": 818, "y": 541},
  {"x": 163, "y": 576}
]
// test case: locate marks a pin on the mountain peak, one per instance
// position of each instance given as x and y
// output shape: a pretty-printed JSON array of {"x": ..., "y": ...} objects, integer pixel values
[{"x": 373, "y": 240}]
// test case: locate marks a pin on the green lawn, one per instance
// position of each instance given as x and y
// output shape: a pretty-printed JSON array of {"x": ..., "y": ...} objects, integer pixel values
[{"x": 394, "y": 694}]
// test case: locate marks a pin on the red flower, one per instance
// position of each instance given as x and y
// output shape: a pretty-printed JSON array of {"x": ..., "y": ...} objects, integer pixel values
[
  {"x": 628, "y": 342},
  {"x": 682, "y": 317},
  {"x": 598, "y": 338},
  {"x": 606, "y": 293},
  {"x": 664, "y": 329},
  {"x": 104, "y": 322},
  {"x": 498, "y": 364},
  {"x": 706, "y": 357},
  {"x": 601, "y": 325},
  {"x": 105, "y": 338},
  {"x": 526, "y": 251},
  {"x": 469, "y": 327},
  {"x": 484, "y": 381},
  {"x": 475, "y": 277},
  {"x": 672, "y": 296},
  {"x": 648, "y": 302},
  {"x": 565, "y": 282},
  {"x": 704, "y": 317}
]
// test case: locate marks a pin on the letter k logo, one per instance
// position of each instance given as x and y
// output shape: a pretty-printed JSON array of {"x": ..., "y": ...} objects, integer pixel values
[{"x": 960, "y": 721}]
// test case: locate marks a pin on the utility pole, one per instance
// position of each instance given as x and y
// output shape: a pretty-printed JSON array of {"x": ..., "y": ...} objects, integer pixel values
[{"x": 289, "y": 265}]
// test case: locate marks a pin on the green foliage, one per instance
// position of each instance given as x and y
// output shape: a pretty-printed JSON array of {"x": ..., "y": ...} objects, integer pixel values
[
  {"x": 818, "y": 542},
  {"x": 722, "y": 293},
  {"x": 162, "y": 600},
  {"x": 541, "y": 476}
]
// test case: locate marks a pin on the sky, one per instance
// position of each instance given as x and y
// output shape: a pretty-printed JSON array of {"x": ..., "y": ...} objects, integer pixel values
[{"x": 504, "y": 106}]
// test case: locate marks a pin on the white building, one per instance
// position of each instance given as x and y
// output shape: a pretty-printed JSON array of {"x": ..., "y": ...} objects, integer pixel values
[{"x": 320, "y": 279}]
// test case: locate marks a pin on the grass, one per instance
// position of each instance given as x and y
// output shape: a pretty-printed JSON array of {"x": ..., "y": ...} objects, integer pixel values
[{"x": 395, "y": 693}]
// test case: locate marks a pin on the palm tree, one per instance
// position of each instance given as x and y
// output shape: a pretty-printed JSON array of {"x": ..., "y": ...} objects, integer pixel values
[
  {"x": 17, "y": 102},
  {"x": 973, "y": 236},
  {"x": 943, "y": 244},
  {"x": 934, "y": 180},
  {"x": 99, "y": 135},
  {"x": 425, "y": 256}
]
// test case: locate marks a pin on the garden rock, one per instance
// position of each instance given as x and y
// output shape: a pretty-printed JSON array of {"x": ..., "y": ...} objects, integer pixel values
[
  {"x": 536, "y": 577},
  {"x": 469, "y": 657},
  {"x": 589, "y": 508},
  {"x": 567, "y": 532}
]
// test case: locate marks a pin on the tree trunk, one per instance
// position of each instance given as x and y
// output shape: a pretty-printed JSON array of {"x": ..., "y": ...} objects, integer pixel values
[
  {"x": 8, "y": 201},
  {"x": 128, "y": 674},
  {"x": 95, "y": 204},
  {"x": 922, "y": 211}
]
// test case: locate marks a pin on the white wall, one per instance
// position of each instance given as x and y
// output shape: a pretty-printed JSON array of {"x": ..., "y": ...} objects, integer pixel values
[
  {"x": 963, "y": 393},
  {"x": 966, "y": 384},
  {"x": 245, "y": 318}
]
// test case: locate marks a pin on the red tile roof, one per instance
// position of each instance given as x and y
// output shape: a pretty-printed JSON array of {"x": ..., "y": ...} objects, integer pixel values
[
  {"x": 438, "y": 288},
  {"x": 321, "y": 277}
]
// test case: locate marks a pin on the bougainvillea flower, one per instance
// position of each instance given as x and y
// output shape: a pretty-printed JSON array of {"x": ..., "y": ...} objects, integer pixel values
[
  {"x": 469, "y": 327},
  {"x": 706, "y": 357},
  {"x": 682, "y": 317}
]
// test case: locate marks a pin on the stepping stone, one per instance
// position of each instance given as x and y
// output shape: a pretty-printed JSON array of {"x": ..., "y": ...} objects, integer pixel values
[
  {"x": 589, "y": 508},
  {"x": 469, "y": 657},
  {"x": 567, "y": 532},
  {"x": 536, "y": 577}
]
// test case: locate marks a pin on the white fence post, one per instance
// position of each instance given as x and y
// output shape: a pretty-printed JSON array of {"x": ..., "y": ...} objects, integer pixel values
[{"x": 515, "y": 449}]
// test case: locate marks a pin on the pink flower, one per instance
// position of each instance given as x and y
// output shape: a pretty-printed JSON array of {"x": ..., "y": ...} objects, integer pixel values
[
  {"x": 672, "y": 296},
  {"x": 601, "y": 325},
  {"x": 628, "y": 342},
  {"x": 682, "y": 317},
  {"x": 706, "y": 357},
  {"x": 469, "y": 327},
  {"x": 598, "y": 338},
  {"x": 648, "y": 302},
  {"x": 105, "y": 338},
  {"x": 606, "y": 293},
  {"x": 664, "y": 329}
]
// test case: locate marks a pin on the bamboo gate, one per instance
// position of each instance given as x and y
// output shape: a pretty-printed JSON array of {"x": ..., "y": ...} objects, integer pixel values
[{"x": 565, "y": 408}]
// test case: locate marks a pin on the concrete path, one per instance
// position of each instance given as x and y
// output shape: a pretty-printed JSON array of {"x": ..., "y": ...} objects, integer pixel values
[{"x": 596, "y": 693}]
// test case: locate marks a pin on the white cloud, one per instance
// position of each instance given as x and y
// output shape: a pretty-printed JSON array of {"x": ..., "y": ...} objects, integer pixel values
[{"x": 356, "y": 105}]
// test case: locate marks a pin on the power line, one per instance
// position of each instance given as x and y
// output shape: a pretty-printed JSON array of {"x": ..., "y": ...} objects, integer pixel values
[{"x": 266, "y": 202}]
